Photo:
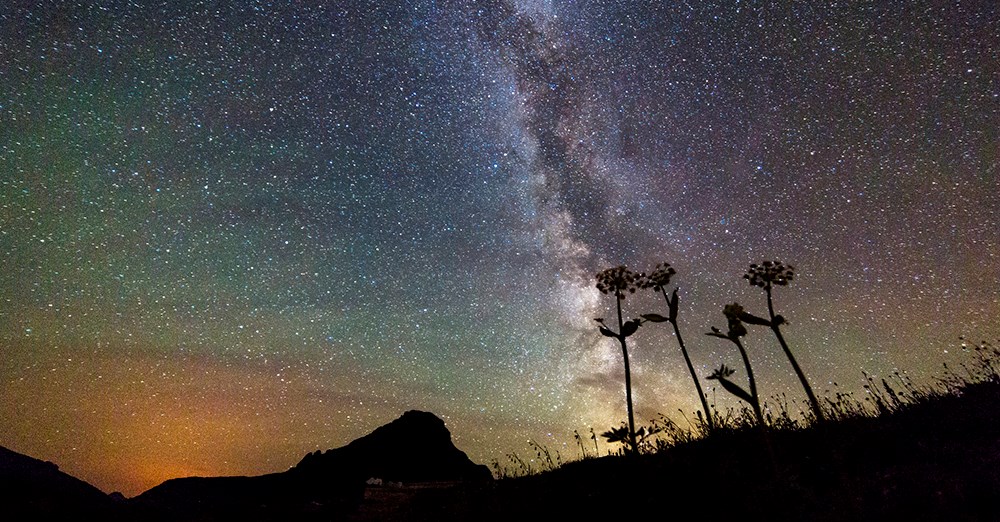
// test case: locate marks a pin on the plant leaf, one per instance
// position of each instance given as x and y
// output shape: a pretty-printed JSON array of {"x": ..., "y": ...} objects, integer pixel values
[
  {"x": 749, "y": 318},
  {"x": 736, "y": 329},
  {"x": 630, "y": 327},
  {"x": 654, "y": 318},
  {"x": 716, "y": 333},
  {"x": 735, "y": 389},
  {"x": 607, "y": 333},
  {"x": 672, "y": 303}
]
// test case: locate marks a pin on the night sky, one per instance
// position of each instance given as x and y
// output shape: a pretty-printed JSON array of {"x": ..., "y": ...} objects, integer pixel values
[{"x": 233, "y": 234}]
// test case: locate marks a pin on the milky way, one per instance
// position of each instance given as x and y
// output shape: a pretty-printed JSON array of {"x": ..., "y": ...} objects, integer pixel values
[{"x": 236, "y": 234}]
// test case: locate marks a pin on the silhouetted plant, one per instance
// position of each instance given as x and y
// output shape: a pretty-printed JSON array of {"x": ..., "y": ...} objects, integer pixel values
[
  {"x": 545, "y": 460},
  {"x": 579, "y": 443},
  {"x": 986, "y": 361},
  {"x": 619, "y": 281},
  {"x": 517, "y": 467},
  {"x": 779, "y": 414},
  {"x": 583, "y": 446},
  {"x": 767, "y": 275},
  {"x": 658, "y": 281},
  {"x": 672, "y": 434},
  {"x": 734, "y": 315},
  {"x": 499, "y": 471},
  {"x": 621, "y": 435},
  {"x": 722, "y": 374}
]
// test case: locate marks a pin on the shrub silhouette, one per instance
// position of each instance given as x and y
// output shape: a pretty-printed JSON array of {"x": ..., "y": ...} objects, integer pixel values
[
  {"x": 767, "y": 275},
  {"x": 735, "y": 315},
  {"x": 658, "y": 280},
  {"x": 619, "y": 281}
]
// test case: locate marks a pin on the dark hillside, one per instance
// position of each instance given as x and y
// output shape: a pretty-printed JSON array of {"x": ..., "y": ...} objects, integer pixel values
[
  {"x": 32, "y": 489},
  {"x": 415, "y": 448},
  {"x": 938, "y": 459},
  {"x": 935, "y": 456}
]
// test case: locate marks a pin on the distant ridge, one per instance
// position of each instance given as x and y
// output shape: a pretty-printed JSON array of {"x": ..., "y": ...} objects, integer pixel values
[{"x": 416, "y": 447}]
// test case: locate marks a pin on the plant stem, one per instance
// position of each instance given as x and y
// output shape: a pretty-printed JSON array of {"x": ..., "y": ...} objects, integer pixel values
[
  {"x": 755, "y": 404},
  {"x": 775, "y": 327},
  {"x": 687, "y": 359},
  {"x": 628, "y": 380}
]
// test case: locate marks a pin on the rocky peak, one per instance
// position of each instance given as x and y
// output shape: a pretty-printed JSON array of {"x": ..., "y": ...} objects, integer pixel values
[{"x": 416, "y": 447}]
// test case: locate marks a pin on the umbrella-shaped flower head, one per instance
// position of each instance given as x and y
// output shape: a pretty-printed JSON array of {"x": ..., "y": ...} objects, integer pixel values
[
  {"x": 769, "y": 273},
  {"x": 619, "y": 281}
]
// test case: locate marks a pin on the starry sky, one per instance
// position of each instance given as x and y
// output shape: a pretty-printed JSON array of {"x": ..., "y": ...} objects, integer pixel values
[{"x": 236, "y": 232}]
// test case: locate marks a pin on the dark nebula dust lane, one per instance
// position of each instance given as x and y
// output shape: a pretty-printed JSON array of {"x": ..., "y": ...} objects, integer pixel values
[{"x": 236, "y": 234}]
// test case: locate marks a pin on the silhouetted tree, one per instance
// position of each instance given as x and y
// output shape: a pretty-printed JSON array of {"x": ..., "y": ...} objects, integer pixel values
[
  {"x": 767, "y": 275},
  {"x": 658, "y": 281},
  {"x": 619, "y": 281}
]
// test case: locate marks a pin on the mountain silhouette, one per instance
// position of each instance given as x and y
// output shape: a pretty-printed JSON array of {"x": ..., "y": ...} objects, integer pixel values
[
  {"x": 416, "y": 447},
  {"x": 33, "y": 489}
]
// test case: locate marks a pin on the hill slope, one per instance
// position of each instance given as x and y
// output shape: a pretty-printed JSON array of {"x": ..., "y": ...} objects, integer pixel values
[
  {"x": 32, "y": 489},
  {"x": 938, "y": 459},
  {"x": 413, "y": 448}
]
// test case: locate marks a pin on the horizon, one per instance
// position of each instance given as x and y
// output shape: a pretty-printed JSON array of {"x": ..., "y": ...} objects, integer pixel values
[{"x": 236, "y": 236}]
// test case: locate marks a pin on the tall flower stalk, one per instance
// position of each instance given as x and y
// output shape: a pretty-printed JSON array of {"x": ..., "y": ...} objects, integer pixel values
[
  {"x": 735, "y": 316},
  {"x": 621, "y": 281},
  {"x": 658, "y": 281},
  {"x": 767, "y": 275}
]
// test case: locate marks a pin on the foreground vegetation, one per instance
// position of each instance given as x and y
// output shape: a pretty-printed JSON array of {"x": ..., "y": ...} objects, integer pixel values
[{"x": 899, "y": 452}]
